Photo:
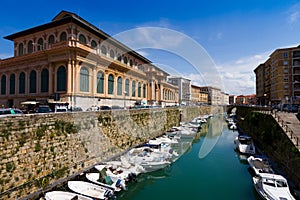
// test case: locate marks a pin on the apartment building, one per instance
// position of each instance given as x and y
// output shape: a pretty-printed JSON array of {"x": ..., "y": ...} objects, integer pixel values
[
  {"x": 199, "y": 96},
  {"x": 278, "y": 79},
  {"x": 184, "y": 89}
]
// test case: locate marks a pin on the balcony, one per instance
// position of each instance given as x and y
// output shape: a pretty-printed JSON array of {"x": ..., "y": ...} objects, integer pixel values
[{"x": 296, "y": 54}]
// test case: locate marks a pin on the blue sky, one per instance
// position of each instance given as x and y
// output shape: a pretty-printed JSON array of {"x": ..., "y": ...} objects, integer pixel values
[{"x": 237, "y": 35}]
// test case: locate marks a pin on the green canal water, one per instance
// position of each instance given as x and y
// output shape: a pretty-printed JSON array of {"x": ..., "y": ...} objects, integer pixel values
[{"x": 221, "y": 174}]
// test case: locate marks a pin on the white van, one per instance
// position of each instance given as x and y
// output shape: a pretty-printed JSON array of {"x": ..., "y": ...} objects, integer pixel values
[{"x": 61, "y": 109}]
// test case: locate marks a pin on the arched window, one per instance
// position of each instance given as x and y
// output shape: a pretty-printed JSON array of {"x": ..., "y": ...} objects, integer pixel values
[
  {"x": 130, "y": 63},
  {"x": 3, "y": 85},
  {"x": 21, "y": 49},
  {"x": 12, "y": 84},
  {"x": 133, "y": 88},
  {"x": 61, "y": 77},
  {"x": 32, "y": 82},
  {"x": 82, "y": 39},
  {"x": 119, "y": 58},
  {"x": 30, "y": 47},
  {"x": 100, "y": 82},
  {"x": 44, "y": 80},
  {"x": 110, "y": 84},
  {"x": 139, "y": 89},
  {"x": 140, "y": 67},
  {"x": 40, "y": 44},
  {"x": 22, "y": 83},
  {"x": 125, "y": 60},
  {"x": 94, "y": 44},
  {"x": 127, "y": 87},
  {"x": 51, "y": 39},
  {"x": 63, "y": 36},
  {"x": 144, "y": 91},
  {"x": 103, "y": 50},
  {"x": 84, "y": 79},
  {"x": 112, "y": 54},
  {"x": 119, "y": 86}
]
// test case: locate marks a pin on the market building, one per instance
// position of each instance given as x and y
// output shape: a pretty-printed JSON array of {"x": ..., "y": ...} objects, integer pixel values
[{"x": 69, "y": 60}]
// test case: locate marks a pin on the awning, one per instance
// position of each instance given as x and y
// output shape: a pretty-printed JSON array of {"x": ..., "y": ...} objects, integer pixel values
[
  {"x": 60, "y": 102},
  {"x": 29, "y": 103}
]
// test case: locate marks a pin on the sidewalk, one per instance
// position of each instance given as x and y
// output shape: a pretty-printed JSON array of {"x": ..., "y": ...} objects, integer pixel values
[{"x": 290, "y": 124}]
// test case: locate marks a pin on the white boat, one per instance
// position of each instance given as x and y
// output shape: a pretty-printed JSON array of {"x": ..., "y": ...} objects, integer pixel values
[
  {"x": 272, "y": 187},
  {"x": 90, "y": 189},
  {"x": 151, "y": 166},
  {"x": 62, "y": 195},
  {"x": 114, "y": 172},
  {"x": 150, "y": 159},
  {"x": 117, "y": 185},
  {"x": 244, "y": 144},
  {"x": 260, "y": 165},
  {"x": 184, "y": 131}
]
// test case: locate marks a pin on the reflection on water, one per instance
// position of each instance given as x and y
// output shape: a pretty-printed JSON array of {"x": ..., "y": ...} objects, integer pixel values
[
  {"x": 215, "y": 127},
  {"x": 218, "y": 175}
]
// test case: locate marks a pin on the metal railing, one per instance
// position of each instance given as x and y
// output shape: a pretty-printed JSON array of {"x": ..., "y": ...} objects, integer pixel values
[{"x": 289, "y": 132}]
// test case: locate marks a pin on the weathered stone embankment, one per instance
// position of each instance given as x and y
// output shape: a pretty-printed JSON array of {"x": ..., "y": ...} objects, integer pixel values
[
  {"x": 272, "y": 140},
  {"x": 39, "y": 150}
]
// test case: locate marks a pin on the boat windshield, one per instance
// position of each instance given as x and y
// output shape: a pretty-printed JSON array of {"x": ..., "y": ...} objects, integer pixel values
[
  {"x": 269, "y": 182},
  {"x": 281, "y": 183},
  {"x": 275, "y": 183},
  {"x": 247, "y": 142}
]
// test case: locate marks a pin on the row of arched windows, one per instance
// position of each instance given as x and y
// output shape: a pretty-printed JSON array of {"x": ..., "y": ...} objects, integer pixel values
[
  {"x": 120, "y": 90},
  {"x": 168, "y": 95},
  {"x": 40, "y": 44},
  {"x": 32, "y": 87}
]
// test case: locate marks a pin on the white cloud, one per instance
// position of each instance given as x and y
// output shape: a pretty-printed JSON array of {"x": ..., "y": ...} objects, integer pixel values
[
  {"x": 5, "y": 55},
  {"x": 293, "y": 14},
  {"x": 143, "y": 53},
  {"x": 237, "y": 76}
]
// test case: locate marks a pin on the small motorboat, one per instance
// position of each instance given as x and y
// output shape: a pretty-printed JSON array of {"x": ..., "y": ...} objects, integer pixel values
[
  {"x": 244, "y": 144},
  {"x": 91, "y": 190},
  {"x": 63, "y": 195},
  {"x": 260, "y": 165},
  {"x": 117, "y": 185},
  {"x": 272, "y": 187}
]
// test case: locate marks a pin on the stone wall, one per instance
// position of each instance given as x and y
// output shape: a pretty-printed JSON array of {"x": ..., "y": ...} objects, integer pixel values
[
  {"x": 272, "y": 140},
  {"x": 38, "y": 150}
]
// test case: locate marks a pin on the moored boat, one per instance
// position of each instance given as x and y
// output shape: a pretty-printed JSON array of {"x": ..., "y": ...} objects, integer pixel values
[
  {"x": 117, "y": 185},
  {"x": 244, "y": 144},
  {"x": 63, "y": 195},
  {"x": 260, "y": 165},
  {"x": 272, "y": 187},
  {"x": 90, "y": 190}
]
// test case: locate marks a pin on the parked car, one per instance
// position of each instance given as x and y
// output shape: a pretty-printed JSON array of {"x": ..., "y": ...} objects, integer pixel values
[
  {"x": 61, "y": 109},
  {"x": 76, "y": 109},
  {"x": 105, "y": 108},
  {"x": 43, "y": 109},
  {"x": 10, "y": 111},
  {"x": 291, "y": 108}
]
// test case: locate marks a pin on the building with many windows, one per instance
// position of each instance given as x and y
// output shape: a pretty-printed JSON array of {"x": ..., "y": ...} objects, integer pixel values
[
  {"x": 214, "y": 95},
  {"x": 198, "y": 96},
  {"x": 184, "y": 89},
  {"x": 70, "y": 58},
  {"x": 278, "y": 79}
]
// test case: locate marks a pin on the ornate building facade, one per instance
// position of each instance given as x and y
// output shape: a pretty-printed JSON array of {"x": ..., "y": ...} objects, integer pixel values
[{"x": 70, "y": 58}]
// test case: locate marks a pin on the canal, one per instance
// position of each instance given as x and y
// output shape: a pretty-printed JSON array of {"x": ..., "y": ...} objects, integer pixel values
[{"x": 217, "y": 172}]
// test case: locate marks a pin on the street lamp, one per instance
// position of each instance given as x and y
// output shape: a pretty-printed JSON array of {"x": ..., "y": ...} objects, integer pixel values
[
  {"x": 265, "y": 98},
  {"x": 125, "y": 93}
]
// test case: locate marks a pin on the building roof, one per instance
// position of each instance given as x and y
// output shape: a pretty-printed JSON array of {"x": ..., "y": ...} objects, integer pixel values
[{"x": 65, "y": 17}]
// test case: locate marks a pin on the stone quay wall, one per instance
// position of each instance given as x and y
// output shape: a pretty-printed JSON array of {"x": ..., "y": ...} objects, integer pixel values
[
  {"x": 39, "y": 150},
  {"x": 272, "y": 141}
]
